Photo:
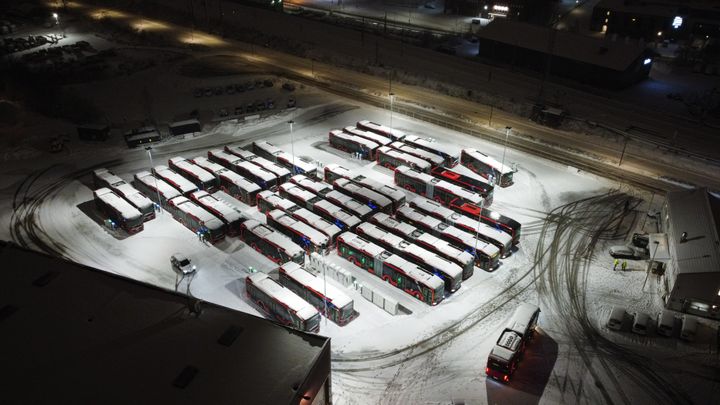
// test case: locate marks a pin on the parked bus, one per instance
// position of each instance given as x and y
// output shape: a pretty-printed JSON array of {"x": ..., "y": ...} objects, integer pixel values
[
  {"x": 449, "y": 272},
  {"x": 280, "y": 172},
  {"x": 394, "y": 134},
  {"x": 231, "y": 217},
  {"x": 281, "y": 303},
  {"x": 298, "y": 195},
  {"x": 273, "y": 245},
  {"x": 197, "y": 219},
  {"x": 392, "y": 268},
  {"x": 508, "y": 351},
  {"x": 296, "y": 164},
  {"x": 485, "y": 232},
  {"x": 487, "y": 167},
  {"x": 105, "y": 178},
  {"x": 316, "y": 221},
  {"x": 268, "y": 201},
  {"x": 487, "y": 256},
  {"x": 336, "y": 215},
  {"x": 450, "y": 154},
  {"x": 203, "y": 179},
  {"x": 119, "y": 211},
  {"x": 333, "y": 171},
  {"x": 431, "y": 158},
  {"x": 424, "y": 239},
  {"x": 230, "y": 182},
  {"x": 318, "y": 205},
  {"x": 179, "y": 182},
  {"x": 252, "y": 172},
  {"x": 153, "y": 187},
  {"x": 491, "y": 218},
  {"x": 352, "y": 205},
  {"x": 302, "y": 234},
  {"x": 375, "y": 201},
  {"x": 392, "y": 158},
  {"x": 370, "y": 136},
  {"x": 353, "y": 144},
  {"x": 310, "y": 184},
  {"x": 432, "y": 187},
  {"x": 326, "y": 298},
  {"x": 395, "y": 195},
  {"x": 472, "y": 183}
]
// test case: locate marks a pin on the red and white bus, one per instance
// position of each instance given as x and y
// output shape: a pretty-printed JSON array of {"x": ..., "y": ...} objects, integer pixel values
[
  {"x": 376, "y": 201},
  {"x": 316, "y": 221},
  {"x": 119, "y": 211},
  {"x": 508, "y": 351},
  {"x": 433, "y": 159},
  {"x": 370, "y": 136},
  {"x": 473, "y": 183},
  {"x": 280, "y": 303},
  {"x": 105, "y": 178},
  {"x": 252, "y": 172},
  {"x": 325, "y": 210},
  {"x": 324, "y": 297},
  {"x": 352, "y": 144},
  {"x": 318, "y": 187},
  {"x": 230, "y": 182},
  {"x": 352, "y": 205},
  {"x": 203, "y": 179},
  {"x": 394, "y": 134},
  {"x": 491, "y": 218},
  {"x": 182, "y": 184},
  {"x": 296, "y": 164},
  {"x": 392, "y": 158},
  {"x": 395, "y": 195},
  {"x": 450, "y": 154},
  {"x": 486, "y": 166},
  {"x": 432, "y": 187},
  {"x": 392, "y": 268},
  {"x": 301, "y": 233},
  {"x": 332, "y": 172},
  {"x": 197, "y": 219},
  {"x": 268, "y": 201},
  {"x": 273, "y": 245},
  {"x": 280, "y": 172},
  {"x": 152, "y": 186},
  {"x": 231, "y": 217}
]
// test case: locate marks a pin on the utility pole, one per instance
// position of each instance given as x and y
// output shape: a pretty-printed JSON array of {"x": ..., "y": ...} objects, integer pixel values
[{"x": 502, "y": 165}]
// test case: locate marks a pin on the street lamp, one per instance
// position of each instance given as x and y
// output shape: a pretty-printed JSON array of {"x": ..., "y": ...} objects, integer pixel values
[
  {"x": 392, "y": 99},
  {"x": 157, "y": 190},
  {"x": 292, "y": 146},
  {"x": 502, "y": 164}
]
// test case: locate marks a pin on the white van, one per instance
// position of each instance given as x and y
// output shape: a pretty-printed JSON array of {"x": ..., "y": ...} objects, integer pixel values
[
  {"x": 689, "y": 328},
  {"x": 616, "y": 318},
  {"x": 665, "y": 322}
]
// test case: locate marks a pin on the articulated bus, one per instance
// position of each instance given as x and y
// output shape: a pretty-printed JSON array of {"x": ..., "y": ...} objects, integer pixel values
[
  {"x": 487, "y": 256},
  {"x": 280, "y": 172},
  {"x": 324, "y": 297},
  {"x": 353, "y": 206},
  {"x": 375, "y": 201},
  {"x": 153, "y": 187},
  {"x": 487, "y": 167},
  {"x": 230, "y": 182},
  {"x": 392, "y": 158},
  {"x": 281, "y": 303},
  {"x": 432, "y": 187},
  {"x": 450, "y": 154},
  {"x": 182, "y": 184},
  {"x": 203, "y": 179},
  {"x": 508, "y": 351},
  {"x": 256, "y": 174},
  {"x": 196, "y": 219},
  {"x": 273, "y": 245},
  {"x": 298, "y": 195},
  {"x": 330, "y": 227},
  {"x": 318, "y": 187},
  {"x": 433, "y": 159},
  {"x": 491, "y": 218},
  {"x": 449, "y": 272},
  {"x": 395, "y": 195},
  {"x": 316, "y": 221},
  {"x": 352, "y": 144},
  {"x": 301, "y": 233},
  {"x": 268, "y": 201},
  {"x": 392, "y": 268},
  {"x": 460, "y": 257},
  {"x": 485, "y": 232},
  {"x": 105, "y": 178},
  {"x": 231, "y": 217},
  {"x": 318, "y": 205},
  {"x": 119, "y": 211},
  {"x": 472, "y": 183},
  {"x": 370, "y": 136},
  {"x": 394, "y": 134},
  {"x": 333, "y": 172},
  {"x": 296, "y": 164}
]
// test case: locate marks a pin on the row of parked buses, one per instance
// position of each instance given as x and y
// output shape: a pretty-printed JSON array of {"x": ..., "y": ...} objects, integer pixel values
[{"x": 121, "y": 202}]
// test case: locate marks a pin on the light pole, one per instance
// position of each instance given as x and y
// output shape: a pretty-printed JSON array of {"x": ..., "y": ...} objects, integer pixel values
[
  {"x": 392, "y": 99},
  {"x": 292, "y": 145},
  {"x": 157, "y": 190},
  {"x": 502, "y": 164}
]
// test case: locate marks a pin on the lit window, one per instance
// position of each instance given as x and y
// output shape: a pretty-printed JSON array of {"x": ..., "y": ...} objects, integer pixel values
[
  {"x": 608, "y": 13},
  {"x": 677, "y": 22},
  {"x": 501, "y": 8},
  {"x": 647, "y": 61}
]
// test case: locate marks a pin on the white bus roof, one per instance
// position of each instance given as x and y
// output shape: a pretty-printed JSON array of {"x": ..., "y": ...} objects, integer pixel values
[
  {"x": 339, "y": 170},
  {"x": 135, "y": 197},
  {"x": 315, "y": 236},
  {"x": 118, "y": 203},
  {"x": 463, "y": 193},
  {"x": 490, "y": 161},
  {"x": 297, "y": 191},
  {"x": 415, "y": 272},
  {"x": 360, "y": 243},
  {"x": 437, "y": 160},
  {"x": 229, "y": 213},
  {"x": 272, "y": 288},
  {"x": 272, "y": 167},
  {"x": 349, "y": 202},
  {"x": 354, "y": 138},
  {"x": 267, "y": 233},
  {"x": 406, "y": 157},
  {"x": 418, "y": 216},
  {"x": 433, "y": 207},
  {"x": 445, "y": 247},
  {"x": 197, "y": 171},
  {"x": 238, "y": 180},
  {"x": 174, "y": 179},
  {"x": 149, "y": 180},
  {"x": 281, "y": 154},
  {"x": 381, "y": 129},
  {"x": 377, "y": 138},
  {"x": 441, "y": 147},
  {"x": 484, "y": 229},
  {"x": 255, "y": 170},
  {"x": 506, "y": 346},
  {"x": 469, "y": 239},
  {"x": 338, "y": 213},
  {"x": 222, "y": 155},
  {"x": 277, "y": 201},
  {"x": 333, "y": 294},
  {"x": 268, "y": 147},
  {"x": 363, "y": 191},
  {"x": 377, "y": 233},
  {"x": 185, "y": 205},
  {"x": 389, "y": 191},
  {"x": 316, "y": 221},
  {"x": 520, "y": 319},
  {"x": 390, "y": 222},
  {"x": 108, "y": 177},
  {"x": 208, "y": 165},
  {"x": 434, "y": 260},
  {"x": 315, "y": 186}
]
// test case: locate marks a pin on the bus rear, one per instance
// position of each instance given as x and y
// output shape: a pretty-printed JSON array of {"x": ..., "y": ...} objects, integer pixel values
[{"x": 504, "y": 357}]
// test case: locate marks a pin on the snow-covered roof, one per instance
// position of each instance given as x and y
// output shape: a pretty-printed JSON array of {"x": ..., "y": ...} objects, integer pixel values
[
  {"x": 348, "y": 202},
  {"x": 362, "y": 244},
  {"x": 221, "y": 172},
  {"x": 223, "y": 156},
  {"x": 208, "y": 165},
  {"x": 520, "y": 320},
  {"x": 415, "y": 272},
  {"x": 488, "y": 160},
  {"x": 272, "y": 288},
  {"x": 185, "y": 205},
  {"x": 467, "y": 239},
  {"x": 276, "y": 201},
  {"x": 482, "y": 228},
  {"x": 354, "y": 138},
  {"x": 377, "y": 138},
  {"x": 297, "y": 191},
  {"x": 217, "y": 207},
  {"x": 387, "y": 221},
  {"x": 380, "y": 129},
  {"x": 405, "y": 157},
  {"x": 375, "y": 233},
  {"x": 341, "y": 171},
  {"x": 363, "y": 191},
  {"x": 445, "y": 247},
  {"x": 314, "y": 220},
  {"x": 276, "y": 238},
  {"x": 317, "y": 187},
  {"x": 433, "y": 145},
  {"x": 334, "y": 295},
  {"x": 131, "y": 194},
  {"x": 256, "y": 170},
  {"x": 421, "y": 153},
  {"x": 615, "y": 55},
  {"x": 466, "y": 195},
  {"x": 432, "y": 259},
  {"x": 419, "y": 217},
  {"x": 108, "y": 177},
  {"x": 506, "y": 346},
  {"x": 337, "y": 213},
  {"x": 267, "y": 147},
  {"x": 272, "y": 167},
  {"x": 179, "y": 182},
  {"x": 389, "y": 191},
  {"x": 149, "y": 180},
  {"x": 432, "y": 208},
  {"x": 184, "y": 122},
  {"x": 292, "y": 224},
  {"x": 695, "y": 212},
  {"x": 192, "y": 169},
  {"x": 123, "y": 207}
]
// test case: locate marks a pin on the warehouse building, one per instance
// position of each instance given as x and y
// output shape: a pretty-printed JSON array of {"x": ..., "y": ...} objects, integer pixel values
[
  {"x": 691, "y": 222},
  {"x": 72, "y": 334}
]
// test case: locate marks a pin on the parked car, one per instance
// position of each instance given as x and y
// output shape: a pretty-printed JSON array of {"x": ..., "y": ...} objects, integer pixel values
[
  {"x": 291, "y": 102},
  {"x": 689, "y": 328},
  {"x": 641, "y": 240},
  {"x": 665, "y": 322},
  {"x": 628, "y": 252},
  {"x": 641, "y": 323},
  {"x": 617, "y": 316},
  {"x": 182, "y": 264}
]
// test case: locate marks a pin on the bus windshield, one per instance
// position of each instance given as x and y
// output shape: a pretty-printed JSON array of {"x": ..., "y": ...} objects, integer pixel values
[{"x": 313, "y": 324}]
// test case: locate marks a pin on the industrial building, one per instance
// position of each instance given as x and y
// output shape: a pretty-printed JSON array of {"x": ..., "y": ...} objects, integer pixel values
[
  {"x": 691, "y": 222},
  {"x": 71, "y": 334}
]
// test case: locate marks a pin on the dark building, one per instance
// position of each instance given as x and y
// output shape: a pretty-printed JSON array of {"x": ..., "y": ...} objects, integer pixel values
[
  {"x": 658, "y": 20},
  {"x": 600, "y": 62},
  {"x": 71, "y": 334},
  {"x": 537, "y": 11}
]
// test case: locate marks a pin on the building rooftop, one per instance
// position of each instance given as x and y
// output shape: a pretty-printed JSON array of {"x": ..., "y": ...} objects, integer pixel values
[{"x": 691, "y": 211}]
